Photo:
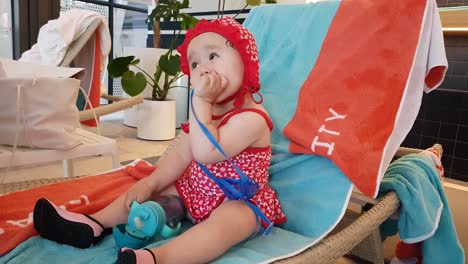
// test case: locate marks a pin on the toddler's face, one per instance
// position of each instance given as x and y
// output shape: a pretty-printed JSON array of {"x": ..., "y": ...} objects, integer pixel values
[{"x": 212, "y": 53}]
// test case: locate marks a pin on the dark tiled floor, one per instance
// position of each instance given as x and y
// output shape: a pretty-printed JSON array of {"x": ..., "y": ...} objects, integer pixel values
[
  {"x": 443, "y": 119},
  {"x": 446, "y": 3}
]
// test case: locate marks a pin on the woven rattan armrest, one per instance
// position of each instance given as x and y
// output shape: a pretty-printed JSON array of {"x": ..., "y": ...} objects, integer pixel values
[{"x": 337, "y": 245}]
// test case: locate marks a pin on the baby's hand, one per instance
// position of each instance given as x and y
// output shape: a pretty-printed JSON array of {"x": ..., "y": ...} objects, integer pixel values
[
  {"x": 209, "y": 87},
  {"x": 139, "y": 192}
]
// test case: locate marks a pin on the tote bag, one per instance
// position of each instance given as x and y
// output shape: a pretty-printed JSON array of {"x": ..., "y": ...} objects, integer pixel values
[{"x": 38, "y": 112}]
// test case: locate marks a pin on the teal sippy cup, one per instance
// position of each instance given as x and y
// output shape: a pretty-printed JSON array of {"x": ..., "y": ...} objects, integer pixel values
[{"x": 148, "y": 220}]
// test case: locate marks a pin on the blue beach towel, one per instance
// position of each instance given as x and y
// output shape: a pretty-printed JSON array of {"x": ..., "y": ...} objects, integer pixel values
[{"x": 425, "y": 213}]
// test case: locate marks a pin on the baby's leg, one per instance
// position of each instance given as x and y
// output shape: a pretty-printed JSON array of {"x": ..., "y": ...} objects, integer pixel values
[
  {"x": 76, "y": 229},
  {"x": 231, "y": 223}
]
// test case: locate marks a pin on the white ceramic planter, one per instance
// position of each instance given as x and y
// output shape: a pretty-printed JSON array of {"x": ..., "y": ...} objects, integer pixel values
[
  {"x": 131, "y": 116},
  {"x": 157, "y": 120},
  {"x": 149, "y": 58},
  {"x": 148, "y": 61}
]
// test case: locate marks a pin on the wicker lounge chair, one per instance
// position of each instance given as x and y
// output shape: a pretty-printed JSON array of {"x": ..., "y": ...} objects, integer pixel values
[{"x": 356, "y": 234}]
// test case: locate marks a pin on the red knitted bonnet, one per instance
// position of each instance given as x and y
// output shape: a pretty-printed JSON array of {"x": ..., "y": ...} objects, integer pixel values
[{"x": 241, "y": 39}]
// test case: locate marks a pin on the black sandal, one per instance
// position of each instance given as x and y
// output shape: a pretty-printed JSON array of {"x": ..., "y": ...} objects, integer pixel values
[
  {"x": 50, "y": 225},
  {"x": 128, "y": 256}
]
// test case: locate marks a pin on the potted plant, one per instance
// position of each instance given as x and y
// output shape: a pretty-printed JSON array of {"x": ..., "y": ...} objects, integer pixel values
[
  {"x": 167, "y": 73},
  {"x": 156, "y": 108}
]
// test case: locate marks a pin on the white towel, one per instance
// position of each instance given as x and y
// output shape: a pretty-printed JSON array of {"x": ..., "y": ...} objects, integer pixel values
[{"x": 56, "y": 36}]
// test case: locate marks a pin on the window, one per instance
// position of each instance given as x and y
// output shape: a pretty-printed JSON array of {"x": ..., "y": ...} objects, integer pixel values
[
  {"x": 126, "y": 24},
  {"x": 6, "y": 38}
]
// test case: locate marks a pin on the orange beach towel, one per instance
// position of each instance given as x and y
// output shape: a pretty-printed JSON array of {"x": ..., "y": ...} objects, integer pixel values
[{"x": 84, "y": 195}]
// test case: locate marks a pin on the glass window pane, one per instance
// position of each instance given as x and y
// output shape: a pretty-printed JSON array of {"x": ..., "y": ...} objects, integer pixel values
[
  {"x": 130, "y": 30},
  {"x": 66, "y": 5},
  {"x": 71, "y": 4},
  {"x": 6, "y": 38},
  {"x": 129, "y": 26},
  {"x": 135, "y": 3}
]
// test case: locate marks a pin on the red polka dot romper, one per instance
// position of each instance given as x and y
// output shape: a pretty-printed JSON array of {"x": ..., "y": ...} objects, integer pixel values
[{"x": 201, "y": 195}]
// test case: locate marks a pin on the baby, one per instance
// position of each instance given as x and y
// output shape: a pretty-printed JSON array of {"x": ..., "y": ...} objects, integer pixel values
[{"x": 222, "y": 61}]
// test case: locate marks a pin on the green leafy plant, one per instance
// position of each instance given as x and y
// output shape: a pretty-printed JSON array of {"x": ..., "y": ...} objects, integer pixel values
[
  {"x": 169, "y": 63},
  {"x": 221, "y": 4}
]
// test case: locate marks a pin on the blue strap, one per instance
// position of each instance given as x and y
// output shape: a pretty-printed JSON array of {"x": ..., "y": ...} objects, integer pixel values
[{"x": 242, "y": 189}]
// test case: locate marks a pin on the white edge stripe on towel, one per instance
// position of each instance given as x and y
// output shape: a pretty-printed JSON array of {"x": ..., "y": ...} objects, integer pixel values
[
  {"x": 428, "y": 235},
  {"x": 393, "y": 137},
  {"x": 343, "y": 210}
]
